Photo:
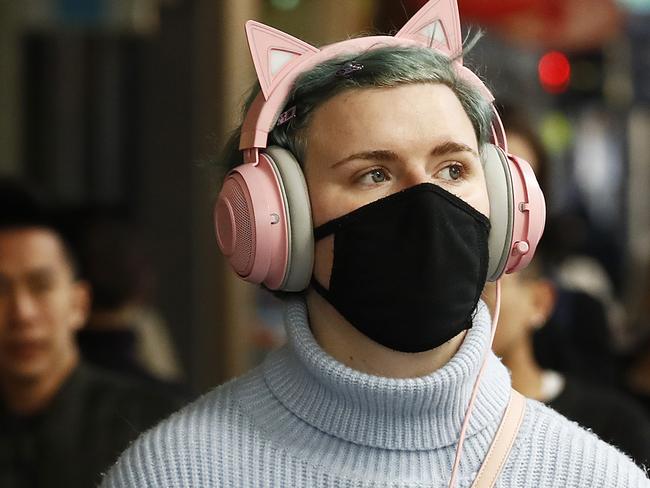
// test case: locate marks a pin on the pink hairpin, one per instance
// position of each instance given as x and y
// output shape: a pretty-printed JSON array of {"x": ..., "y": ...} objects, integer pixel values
[
  {"x": 349, "y": 68},
  {"x": 287, "y": 115}
]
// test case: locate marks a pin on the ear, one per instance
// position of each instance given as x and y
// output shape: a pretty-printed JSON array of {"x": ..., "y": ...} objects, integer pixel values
[
  {"x": 80, "y": 307},
  {"x": 544, "y": 299},
  {"x": 273, "y": 52},
  {"x": 436, "y": 25}
]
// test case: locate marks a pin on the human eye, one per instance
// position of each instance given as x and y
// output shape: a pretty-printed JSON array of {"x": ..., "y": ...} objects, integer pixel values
[
  {"x": 452, "y": 172},
  {"x": 375, "y": 176},
  {"x": 41, "y": 283}
]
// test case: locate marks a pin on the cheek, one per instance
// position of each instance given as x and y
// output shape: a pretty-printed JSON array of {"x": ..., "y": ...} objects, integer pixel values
[
  {"x": 319, "y": 196},
  {"x": 331, "y": 193},
  {"x": 479, "y": 197},
  {"x": 474, "y": 192},
  {"x": 329, "y": 200},
  {"x": 323, "y": 201},
  {"x": 59, "y": 312},
  {"x": 320, "y": 210}
]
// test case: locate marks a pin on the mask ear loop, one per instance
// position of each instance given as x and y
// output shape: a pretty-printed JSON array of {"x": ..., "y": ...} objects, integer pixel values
[{"x": 477, "y": 382}]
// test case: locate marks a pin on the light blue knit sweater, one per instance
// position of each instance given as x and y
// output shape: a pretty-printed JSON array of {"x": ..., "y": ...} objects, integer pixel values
[{"x": 303, "y": 419}]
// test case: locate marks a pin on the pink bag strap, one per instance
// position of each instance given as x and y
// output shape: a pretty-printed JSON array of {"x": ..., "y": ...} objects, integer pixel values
[{"x": 502, "y": 442}]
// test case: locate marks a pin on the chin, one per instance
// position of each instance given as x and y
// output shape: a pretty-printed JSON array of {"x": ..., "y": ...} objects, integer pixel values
[{"x": 27, "y": 371}]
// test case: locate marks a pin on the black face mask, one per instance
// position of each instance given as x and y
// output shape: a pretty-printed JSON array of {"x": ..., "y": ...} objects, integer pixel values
[{"x": 408, "y": 269}]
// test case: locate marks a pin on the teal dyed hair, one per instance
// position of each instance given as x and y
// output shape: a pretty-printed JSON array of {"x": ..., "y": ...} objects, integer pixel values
[{"x": 384, "y": 67}]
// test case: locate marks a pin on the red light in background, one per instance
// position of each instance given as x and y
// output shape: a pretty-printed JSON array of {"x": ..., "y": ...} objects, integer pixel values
[{"x": 554, "y": 72}]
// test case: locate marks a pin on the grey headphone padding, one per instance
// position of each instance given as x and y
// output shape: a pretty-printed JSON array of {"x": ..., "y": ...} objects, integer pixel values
[
  {"x": 499, "y": 187},
  {"x": 298, "y": 209}
]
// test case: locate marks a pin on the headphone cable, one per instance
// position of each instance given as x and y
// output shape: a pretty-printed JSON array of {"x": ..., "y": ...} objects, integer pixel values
[{"x": 470, "y": 407}]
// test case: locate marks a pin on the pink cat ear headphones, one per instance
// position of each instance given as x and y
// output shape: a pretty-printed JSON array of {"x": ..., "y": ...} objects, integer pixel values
[{"x": 262, "y": 215}]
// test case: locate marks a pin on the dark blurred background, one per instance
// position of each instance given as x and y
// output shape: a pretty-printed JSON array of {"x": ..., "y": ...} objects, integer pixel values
[{"x": 124, "y": 105}]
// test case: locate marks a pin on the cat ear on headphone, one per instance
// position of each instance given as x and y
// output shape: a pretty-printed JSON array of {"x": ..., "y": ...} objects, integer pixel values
[
  {"x": 436, "y": 25},
  {"x": 273, "y": 53}
]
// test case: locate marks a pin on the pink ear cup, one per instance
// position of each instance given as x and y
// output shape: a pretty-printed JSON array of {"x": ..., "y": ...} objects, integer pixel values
[
  {"x": 251, "y": 223},
  {"x": 529, "y": 214}
]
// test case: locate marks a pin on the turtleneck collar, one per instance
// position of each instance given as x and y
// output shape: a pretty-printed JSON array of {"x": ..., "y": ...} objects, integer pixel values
[{"x": 404, "y": 414}]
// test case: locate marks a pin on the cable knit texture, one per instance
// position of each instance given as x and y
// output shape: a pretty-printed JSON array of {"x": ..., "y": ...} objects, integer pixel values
[{"x": 302, "y": 419}]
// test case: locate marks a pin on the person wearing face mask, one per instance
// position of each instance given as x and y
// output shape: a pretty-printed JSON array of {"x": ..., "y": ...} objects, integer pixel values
[{"x": 378, "y": 147}]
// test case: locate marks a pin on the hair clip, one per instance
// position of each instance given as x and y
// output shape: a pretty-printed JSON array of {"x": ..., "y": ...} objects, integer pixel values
[
  {"x": 286, "y": 116},
  {"x": 349, "y": 68}
]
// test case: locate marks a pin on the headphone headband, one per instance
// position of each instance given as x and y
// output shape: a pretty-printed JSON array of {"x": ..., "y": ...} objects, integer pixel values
[
  {"x": 263, "y": 113},
  {"x": 280, "y": 58}
]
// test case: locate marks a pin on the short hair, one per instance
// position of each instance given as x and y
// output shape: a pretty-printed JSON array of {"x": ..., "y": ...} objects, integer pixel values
[
  {"x": 22, "y": 208},
  {"x": 383, "y": 67},
  {"x": 112, "y": 257}
]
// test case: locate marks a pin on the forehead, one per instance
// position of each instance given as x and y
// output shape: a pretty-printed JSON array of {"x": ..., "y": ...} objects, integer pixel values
[
  {"x": 26, "y": 249},
  {"x": 402, "y": 116}
]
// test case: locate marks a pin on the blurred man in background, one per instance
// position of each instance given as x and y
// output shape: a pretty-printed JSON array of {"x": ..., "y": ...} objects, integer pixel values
[
  {"x": 62, "y": 422},
  {"x": 580, "y": 335},
  {"x": 527, "y": 301}
]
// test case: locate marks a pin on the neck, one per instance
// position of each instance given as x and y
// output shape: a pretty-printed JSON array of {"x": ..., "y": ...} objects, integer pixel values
[
  {"x": 526, "y": 373},
  {"x": 347, "y": 345},
  {"x": 28, "y": 397}
]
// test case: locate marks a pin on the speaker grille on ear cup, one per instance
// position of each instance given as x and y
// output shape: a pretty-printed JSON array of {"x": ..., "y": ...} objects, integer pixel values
[{"x": 242, "y": 227}]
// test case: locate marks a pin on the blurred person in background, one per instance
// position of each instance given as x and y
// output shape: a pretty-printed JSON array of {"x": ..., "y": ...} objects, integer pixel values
[
  {"x": 637, "y": 374},
  {"x": 528, "y": 300},
  {"x": 62, "y": 422},
  {"x": 124, "y": 333},
  {"x": 555, "y": 334},
  {"x": 380, "y": 148},
  {"x": 579, "y": 335}
]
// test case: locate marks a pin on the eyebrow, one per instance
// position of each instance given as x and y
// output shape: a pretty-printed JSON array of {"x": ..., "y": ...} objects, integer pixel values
[
  {"x": 447, "y": 147},
  {"x": 36, "y": 274},
  {"x": 41, "y": 273}
]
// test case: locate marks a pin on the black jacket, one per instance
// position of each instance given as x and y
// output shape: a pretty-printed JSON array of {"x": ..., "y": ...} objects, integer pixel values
[{"x": 87, "y": 425}]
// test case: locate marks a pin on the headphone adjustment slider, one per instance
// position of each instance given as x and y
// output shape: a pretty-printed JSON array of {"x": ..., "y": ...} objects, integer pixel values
[
  {"x": 520, "y": 248},
  {"x": 252, "y": 155}
]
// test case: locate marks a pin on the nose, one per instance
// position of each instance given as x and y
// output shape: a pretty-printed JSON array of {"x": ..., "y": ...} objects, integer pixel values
[
  {"x": 414, "y": 174},
  {"x": 23, "y": 307}
]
